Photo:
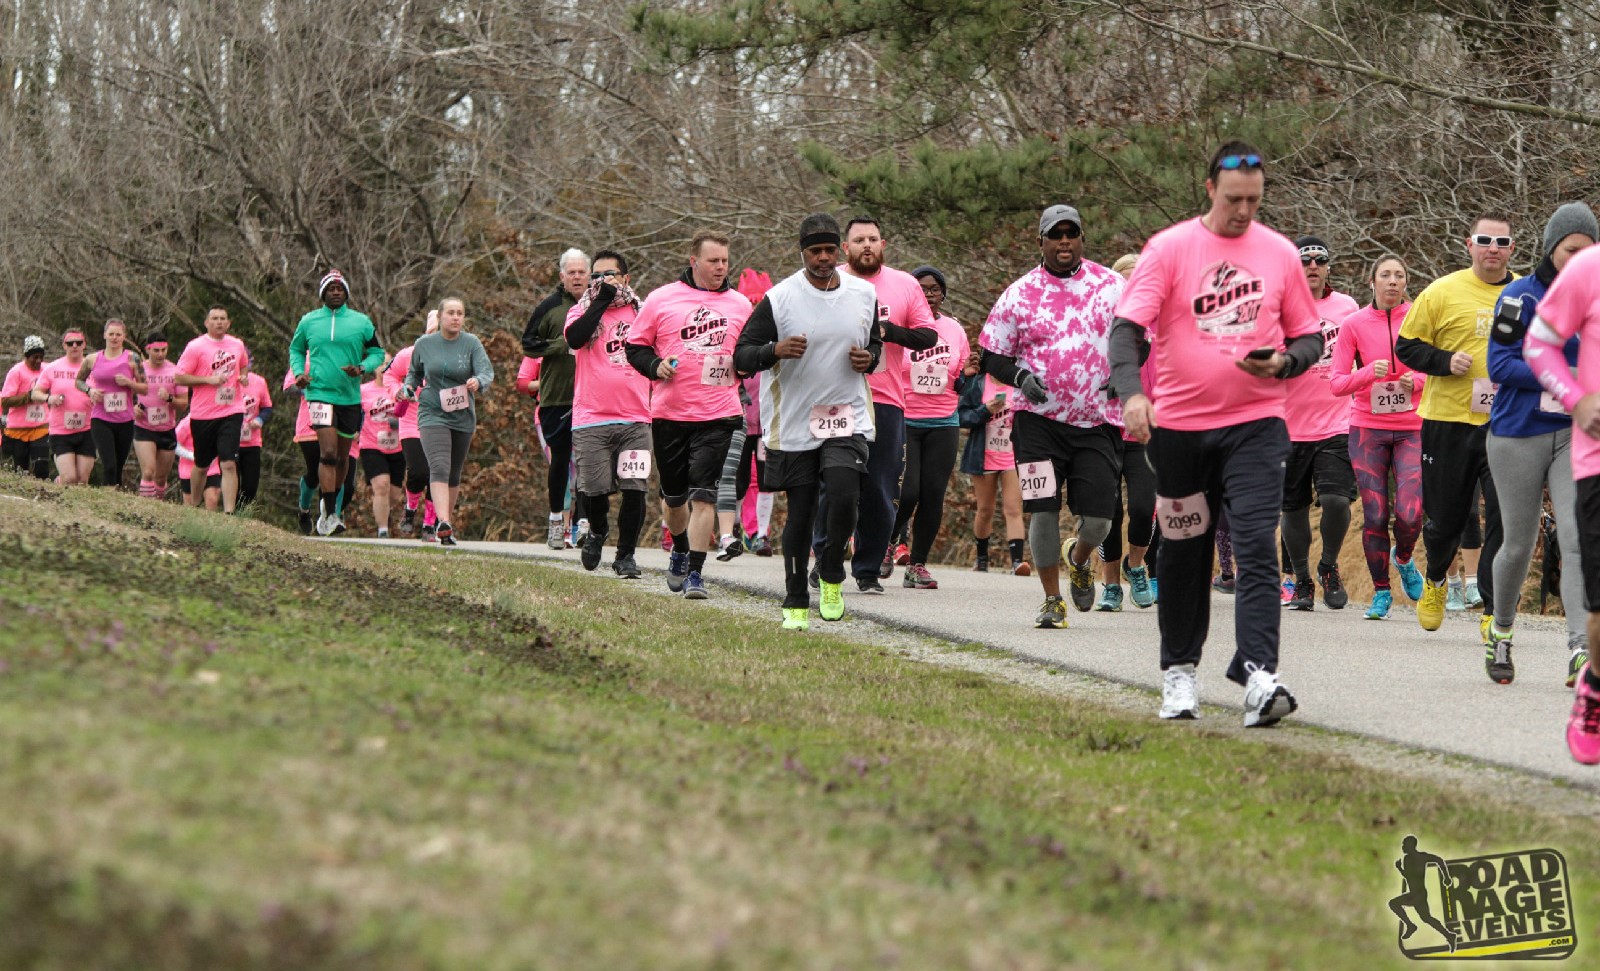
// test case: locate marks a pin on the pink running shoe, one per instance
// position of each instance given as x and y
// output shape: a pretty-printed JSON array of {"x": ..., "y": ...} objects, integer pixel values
[
  {"x": 1583, "y": 728},
  {"x": 1286, "y": 592}
]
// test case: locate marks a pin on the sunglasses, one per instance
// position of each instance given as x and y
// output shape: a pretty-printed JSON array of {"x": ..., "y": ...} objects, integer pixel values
[
  {"x": 1484, "y": 239},
  {"x": 1319, "y": 260},
  {"x": 603, "y": 274},
  {"x": 72, "y": 343},
  {"x": 1232, "y": 162},
  {"x": 1064, "y": 231}
]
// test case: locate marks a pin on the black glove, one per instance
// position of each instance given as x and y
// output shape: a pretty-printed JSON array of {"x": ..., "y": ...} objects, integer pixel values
[
  {"x": 1032, "y": 388},
  {"x": 604, "y": 294}
]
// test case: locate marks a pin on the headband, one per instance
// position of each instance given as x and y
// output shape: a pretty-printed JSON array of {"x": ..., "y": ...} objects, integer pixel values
[{"x": 818, "y": 239}]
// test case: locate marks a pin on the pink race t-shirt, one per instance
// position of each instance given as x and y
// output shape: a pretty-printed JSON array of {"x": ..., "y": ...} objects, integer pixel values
[
  {"x": 72, "y": 415},
  {"x": 204, "y": 357},
  {"x": 1310, "y": 408},
  {"x": 377, "y": 408},
  {"x": 933, "y": 372},
  {"x": 606, "y": 388},
  {"x": 900, "y": 302},
  {"x": 1059, "y": 328},
  {"x": 255, "y": 399},
  {"x": 302, "y": 415},
  {"x": 185, "y": 436},
  {"x": 159, "y": 414},
  {"x": 407, "y": 410},
  {"x": 20, "y": 380},
  {"x": 700, "y": 329},
  {"x": 1572, "y": 306},
  {"x": 997, "y": 452},
  {"x": 1205, "y": 302}
]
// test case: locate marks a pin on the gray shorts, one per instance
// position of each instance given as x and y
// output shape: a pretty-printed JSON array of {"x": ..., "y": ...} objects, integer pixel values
[{"x": 595, "y": 449}]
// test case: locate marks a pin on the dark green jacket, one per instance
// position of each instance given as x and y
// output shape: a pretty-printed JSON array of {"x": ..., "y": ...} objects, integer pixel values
[{"x": 545, "y": 337}]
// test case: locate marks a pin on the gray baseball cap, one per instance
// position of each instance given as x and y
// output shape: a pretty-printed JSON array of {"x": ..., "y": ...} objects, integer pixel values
[{"x": 1059, "y": 214}]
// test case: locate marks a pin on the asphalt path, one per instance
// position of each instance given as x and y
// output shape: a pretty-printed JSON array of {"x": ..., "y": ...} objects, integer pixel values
[{"x": 1387, "y": 679}]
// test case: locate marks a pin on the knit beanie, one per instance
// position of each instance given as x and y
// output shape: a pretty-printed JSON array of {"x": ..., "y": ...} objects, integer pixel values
[
  {"x": 334, "y": 276},
  {"x": 938, "y": 277},
  {"x": 1572, "y": 217}
]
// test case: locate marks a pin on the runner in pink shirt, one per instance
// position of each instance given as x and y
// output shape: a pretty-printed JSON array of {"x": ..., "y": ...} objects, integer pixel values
[
  {"x": 70, "y": 441},
  {"x": 683, "y": 341},
  {"x": 987, "y": 458},
  {"x": 1319, "y": 447},
  {"x": 1046, "y": 336},
  {"x": 155, "y": 415},
  {"x": 1571, "y": 307},
  {"x": 257, "y": 409},
  {"x": 416, "y": 478},
  {"x": 610, "y": 414},
  {"x": 1217, "y": 297},
  {"x": 211, "y": 493},
  {"x": 27, "y": 431},
  {"x": 213, "y": 366},
  {"x": 113, "y": 378},
  {"x": 382, "y": 460}
]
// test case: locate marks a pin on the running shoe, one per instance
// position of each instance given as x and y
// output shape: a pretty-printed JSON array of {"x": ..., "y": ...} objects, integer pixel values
[
  {"x": 1410, "y": 576},
  {"x": 589, "y": 555},
  {"x": 831, "y": 604},
  {"x": 1382, "y": 600},
  {"x": 1583, "y": 728},
  {"x": 429, "y": 534},
  {"x": 334, "y": 525},
  {"x": 383, "y": 533},
  {"x": 1155, "y": 590},
  {"x": 1497, "y": 656},
  {"x": 556, "y": 535},
  {"x": 1052, "y": 614},
  {"x": 1266, "y": 702},
  {"x": 625, "y": 567},
  {"x": 981, "y": 565},
  {"x": 1305, "y": 596},
  {"x": 1430, "y": 609},
  {"x": 917, "y": 577},
  {"x": 694, "y": 588},
  {"x": 796, "y": 618},
  {"x": 1286, "y": 591},
  {"x": 677, "y": 571},
  {"x": 902, "y": 555},
  {"x": 761, "y": 546},
  {"x": 1110, "y": 598},
  {"x": 1575, "y": 663},
  {"x": 1141, "y": 588},
  {"x": 1180, "y": 692},
  {"x": 1021, "y": 568},
  {"x": 446, "y": 534},
  {"x": 1080, "y": 579},
  {"x": 580, "y": 533},
  {"x": 1471, "y": 595},
  {"x": 1223, "y": 583},
  {"x": 307, "y": 527},
  {"x": 1334, "y": 596},
  {"x": 886, "y": 568},
  {"x": 731, "y": 547},
  {"x": 814, "y": 577},
  {"x": 408, "y": 522},
  {"x": 868, "y": 585},
  {"x": 666, "y": 539},
  {"x": 1456, "y": 595}
]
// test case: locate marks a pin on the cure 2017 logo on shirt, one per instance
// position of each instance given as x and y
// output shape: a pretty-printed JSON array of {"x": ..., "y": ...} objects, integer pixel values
[
  {"x": 1229, "y": 300},
  {"x": 1502, "y": 906},
  {"x": 617, "y": 347},
  {"x": 705, "y": 331}
]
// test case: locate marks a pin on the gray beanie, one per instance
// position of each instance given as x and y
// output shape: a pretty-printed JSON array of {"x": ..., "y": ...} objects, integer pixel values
[{"x": 1572, "y": 217}]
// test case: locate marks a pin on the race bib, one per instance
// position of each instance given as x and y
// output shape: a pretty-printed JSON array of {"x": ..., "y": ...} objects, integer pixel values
[
  {"x": 1390, "y": 397},
  {"x": 227, "y": 394},
  {"x": 1482, "y": 396},
  {"x": 1183, "y": 518},
  {"x": 929, "y": 377},
  {"x": 1548, "y": 403},
  {"x": 997, "y": 434},
  {"x": 633, "y": 463},
  {"x": 35, "y": 413},
  {"x": 832, "y": 421},
  {"x": 320, "y": 413},
  {"x": 75, "y": 421},
  {"x": 388, "y": 438},
  {"x": 157, "y": 415},
  {"x": 716, "y": 370},
  {"x": 1038, "y": 480},
  {"x": 114, "y": 401},
  {"x": 455, "y": 399},
  {"x": 761, "y": 451}
]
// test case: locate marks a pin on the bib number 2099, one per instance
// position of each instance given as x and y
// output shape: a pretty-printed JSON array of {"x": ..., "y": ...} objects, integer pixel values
[{"x": 1183, "y": 518}]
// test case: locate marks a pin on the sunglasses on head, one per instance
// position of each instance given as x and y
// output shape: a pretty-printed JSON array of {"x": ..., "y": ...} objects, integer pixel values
[
  {"x": 1232, "y": 162},
  {"x": 1484, "y": 239},
  {"x": 1319, "y": 260},
  {"x": 603, "y": 274},
  {"x": 1064, "y": 231}
]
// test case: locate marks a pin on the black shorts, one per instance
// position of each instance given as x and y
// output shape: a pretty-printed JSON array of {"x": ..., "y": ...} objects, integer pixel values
[
  {"x": 689, "y": 457},
  {"x": 785, "y": 470},
  {"x": 1088, "y": 461},
  {"x": 78, "y": 443},
  {"x": 212, "y": 482},
  {"x": 346, "y": 420},
  {"x": 216, "y": 438},
  {"x": 391, "y": 464},
  {"x": 1325, "y": 462},
  {"x": 1588, "y": 514},
  {"x": 166, "y": 441}
]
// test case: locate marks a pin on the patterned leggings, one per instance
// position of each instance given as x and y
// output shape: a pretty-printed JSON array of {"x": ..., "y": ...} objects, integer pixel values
[{"x": 1376, "y": 454}]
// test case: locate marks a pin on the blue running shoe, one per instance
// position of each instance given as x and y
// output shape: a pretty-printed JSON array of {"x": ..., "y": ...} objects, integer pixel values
[
  {"x": 1410, "y": 576},
  {"x": 1141, "y": 587},
  {"x": 694, "y": 588},
  {"x": 1382, "y": 600},
  {"x": 677, "y": 571}
]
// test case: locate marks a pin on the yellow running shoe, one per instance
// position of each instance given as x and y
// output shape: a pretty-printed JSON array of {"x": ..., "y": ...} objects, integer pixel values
[
  {"x": 796, "y": 618},
  {"x": 832, "y": 605},
  {"x": 1430, "y": 609}
]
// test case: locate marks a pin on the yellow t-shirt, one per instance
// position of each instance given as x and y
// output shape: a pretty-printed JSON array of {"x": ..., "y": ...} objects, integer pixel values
[{"x": 1454, "y": 314}]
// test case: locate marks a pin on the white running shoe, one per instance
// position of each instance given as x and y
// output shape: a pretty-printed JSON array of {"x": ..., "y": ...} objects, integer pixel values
[
  {"x": 1180, "y": 692},
  {"x": 556, "y": 537},
  {"x": 1265, "y": 700},
  {"x": 323, "y": 529}
]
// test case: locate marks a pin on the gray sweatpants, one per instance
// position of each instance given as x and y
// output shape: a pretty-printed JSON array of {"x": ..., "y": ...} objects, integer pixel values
[{"x": 1522, "y": 467}]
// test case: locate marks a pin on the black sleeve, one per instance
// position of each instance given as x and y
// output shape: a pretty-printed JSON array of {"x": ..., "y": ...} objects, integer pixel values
[
  {"x": 1419, "y": 355},
  {"x": 644, "y": 359},
  {"x": 1127, "y": 350},
  {"x": 1001, "y": 367},
  {"x": 758, "y": 341},
  {"x": 581, "y": 331},
  {"x": 915, "y": 338},
  {"x": 875, "y": 343},
  {"x": 532, "y": 344},
  {"x": 1302, "y": 352}
]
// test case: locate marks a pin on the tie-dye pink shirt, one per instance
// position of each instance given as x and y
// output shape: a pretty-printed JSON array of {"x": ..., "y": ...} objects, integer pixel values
[
  {"x": 1058, "y": 328},
  {"x": 1310, "y": 408},
  {"x": 1205, "y": 302},
  {"x": 900, "y": 302}
]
